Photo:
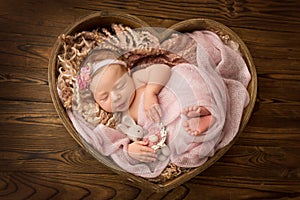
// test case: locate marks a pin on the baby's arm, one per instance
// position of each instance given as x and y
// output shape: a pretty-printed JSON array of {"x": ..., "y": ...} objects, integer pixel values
[{"x": 153, "y": 78}]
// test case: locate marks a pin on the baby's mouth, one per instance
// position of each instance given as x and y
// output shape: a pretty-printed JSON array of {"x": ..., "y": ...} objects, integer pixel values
[{"x": 121, "y": 106}]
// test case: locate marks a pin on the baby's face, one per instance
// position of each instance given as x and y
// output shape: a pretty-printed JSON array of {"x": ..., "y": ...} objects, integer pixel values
[{"x": 113, "y": 89}]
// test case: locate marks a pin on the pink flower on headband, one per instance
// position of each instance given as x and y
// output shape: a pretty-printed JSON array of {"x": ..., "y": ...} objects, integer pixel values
[{"x": 84, "y": 77}]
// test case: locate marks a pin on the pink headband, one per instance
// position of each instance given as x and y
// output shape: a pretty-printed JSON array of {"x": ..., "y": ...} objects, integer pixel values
[
  {"x": 106, "y": 62},
  {"x": 86, "y": 73}
]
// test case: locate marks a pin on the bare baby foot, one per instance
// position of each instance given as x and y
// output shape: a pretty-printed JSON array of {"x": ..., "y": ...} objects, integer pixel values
[
  {"x": 191, "y": 126},
  {"x": 195, "y": 111},
  {"x": 199, "y": 120}
]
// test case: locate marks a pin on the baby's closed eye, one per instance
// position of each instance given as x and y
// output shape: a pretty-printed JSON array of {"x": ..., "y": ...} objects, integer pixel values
[{"x": 103, "y": 97}]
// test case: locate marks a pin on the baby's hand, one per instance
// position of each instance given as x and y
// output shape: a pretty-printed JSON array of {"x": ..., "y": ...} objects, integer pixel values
[
  {"x": 151, "y": 106},
  {"x": 140, "y": 151}
]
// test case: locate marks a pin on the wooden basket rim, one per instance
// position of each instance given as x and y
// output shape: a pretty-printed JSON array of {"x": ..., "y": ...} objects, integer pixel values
[{"x": 130, "y": 20}]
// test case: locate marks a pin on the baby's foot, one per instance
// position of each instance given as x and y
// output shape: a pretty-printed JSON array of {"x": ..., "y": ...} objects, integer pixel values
[
  {"x": 191, "y": 126},
  {"x": 195, "y": 111},
  {"x": 197, "y": 125},
  {"x": 199, "y": 119}
]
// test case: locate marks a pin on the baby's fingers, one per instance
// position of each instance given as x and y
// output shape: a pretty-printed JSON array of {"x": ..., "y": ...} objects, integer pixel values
[
  {"x": 147, "y": 149},
  {"x": 147, "y": 157},
  {"x": 158, "y": 110},
  {"x": 155, "y": 113}
]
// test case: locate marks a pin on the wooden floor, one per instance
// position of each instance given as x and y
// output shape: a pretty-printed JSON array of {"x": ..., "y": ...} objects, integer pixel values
[{"x": 40, "y": 160}]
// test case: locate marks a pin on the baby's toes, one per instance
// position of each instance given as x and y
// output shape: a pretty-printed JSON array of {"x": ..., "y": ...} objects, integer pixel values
[
  {"x": 194, "y": 113},
  {"x": 186, "y": 126},
  {"x": 195, "y": 133},
  {"x": 197, "y": 109},
  {"x": 194, "y": 108},
  {"x": 185, "y": 111},
  {"x": 189, "y": 111}
]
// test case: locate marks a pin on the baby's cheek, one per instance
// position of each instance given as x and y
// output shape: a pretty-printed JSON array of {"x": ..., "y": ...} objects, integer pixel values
[{"x": 106, "y": 106}]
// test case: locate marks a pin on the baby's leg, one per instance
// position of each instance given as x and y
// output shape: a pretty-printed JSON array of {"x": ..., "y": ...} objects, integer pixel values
[{"x": 199, "y": 120}]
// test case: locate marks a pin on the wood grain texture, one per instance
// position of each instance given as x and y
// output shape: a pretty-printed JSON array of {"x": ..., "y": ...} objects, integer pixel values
[{"x": 40, "y": 160}]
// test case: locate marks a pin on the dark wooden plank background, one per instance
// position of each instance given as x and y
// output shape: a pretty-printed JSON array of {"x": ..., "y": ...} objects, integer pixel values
[{"x": 40, "y": 160}]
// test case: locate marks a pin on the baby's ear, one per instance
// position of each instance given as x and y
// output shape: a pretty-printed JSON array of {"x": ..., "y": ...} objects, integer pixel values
[{"x": 128, "y": 121}]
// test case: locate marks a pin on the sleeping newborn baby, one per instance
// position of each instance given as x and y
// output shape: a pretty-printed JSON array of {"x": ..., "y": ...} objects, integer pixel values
[
  {"x": 199, "y": 104},
  {"x": 115, "y": 89}
]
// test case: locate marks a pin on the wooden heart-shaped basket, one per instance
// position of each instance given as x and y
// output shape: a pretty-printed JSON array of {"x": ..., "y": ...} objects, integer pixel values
[{"x": 105, "y": 19}]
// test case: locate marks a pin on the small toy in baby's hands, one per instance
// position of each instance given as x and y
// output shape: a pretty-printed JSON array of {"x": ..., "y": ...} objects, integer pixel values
[{"x": 136, "y": 133}]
